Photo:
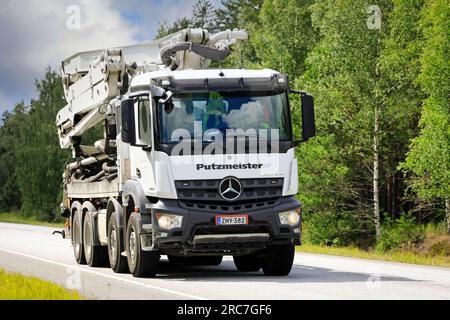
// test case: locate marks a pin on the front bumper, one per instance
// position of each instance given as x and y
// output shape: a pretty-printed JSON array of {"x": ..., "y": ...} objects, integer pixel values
[{"x": 200, "y": 235}]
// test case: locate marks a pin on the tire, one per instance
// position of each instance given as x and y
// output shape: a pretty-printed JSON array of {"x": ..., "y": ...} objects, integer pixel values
[
  {"x": 248, "y": 263},
  {"x": 117, "y": 262},
  {"x": 279, "y": 260},
  {"x": 96, "y": 255},
  {"x": 77, "y": 237},
  {"x": 204, "y": 261},
  {"x": 141, "y": 263}
]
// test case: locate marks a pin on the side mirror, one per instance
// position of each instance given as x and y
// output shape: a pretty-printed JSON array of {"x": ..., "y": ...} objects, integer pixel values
[
  {"x": 128, "y": 121},
  {"x": 308, "y": 117},
  {"x": 167, "y": 98}
]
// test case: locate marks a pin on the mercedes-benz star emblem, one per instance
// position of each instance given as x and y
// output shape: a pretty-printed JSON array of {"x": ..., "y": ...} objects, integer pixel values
[{"x": 230, "y": 189}]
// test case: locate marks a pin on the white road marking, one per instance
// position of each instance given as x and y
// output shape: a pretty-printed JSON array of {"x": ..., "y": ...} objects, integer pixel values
[{"x": 148, "y": 286}]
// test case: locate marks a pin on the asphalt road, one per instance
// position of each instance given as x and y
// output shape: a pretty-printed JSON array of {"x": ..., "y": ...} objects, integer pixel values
[{"x": 32, "y": 250}]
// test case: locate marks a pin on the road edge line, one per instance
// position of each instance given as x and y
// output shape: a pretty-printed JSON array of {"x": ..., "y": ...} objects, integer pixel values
[{"x": 148, "y": 286}]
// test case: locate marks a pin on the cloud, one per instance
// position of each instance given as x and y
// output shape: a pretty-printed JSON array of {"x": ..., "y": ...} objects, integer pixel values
[
  {"x": 249, "y": 116},
  {"x": 34, "y": 34},
  {"x": 6, "y": 103},
  {"x": 148, "y": 14}
]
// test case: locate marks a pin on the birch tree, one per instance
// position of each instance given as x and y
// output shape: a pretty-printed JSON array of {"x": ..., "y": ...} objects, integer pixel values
[{"x": 342, "y": 73}]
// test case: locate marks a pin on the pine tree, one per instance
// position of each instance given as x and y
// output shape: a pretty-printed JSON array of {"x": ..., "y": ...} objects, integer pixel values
[
  {"x": 203, "y": 15},
  {"x": 165, "y": 29},
  {"x": 40, "y": 161},
  {"x": 9, "y": 142},
  {"x": 227, "y": 17},
  {"x": 400, "y": 93},
  {"x": 284, "y": 35},
  {"x": 240, "y": 14}
]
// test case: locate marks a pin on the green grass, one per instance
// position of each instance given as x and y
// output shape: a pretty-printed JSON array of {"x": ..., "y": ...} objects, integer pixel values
[
  {"x": 436, "y": 229},
  {"x": 403, "y": 257},
  {"x": 17, "y": 287},
  {"x": 17, "y": 218}
]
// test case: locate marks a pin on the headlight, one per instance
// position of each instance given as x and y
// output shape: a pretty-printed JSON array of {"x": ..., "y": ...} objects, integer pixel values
[
  {"x": 169, "y": 221},
  {"x": 291, "y": 218}
]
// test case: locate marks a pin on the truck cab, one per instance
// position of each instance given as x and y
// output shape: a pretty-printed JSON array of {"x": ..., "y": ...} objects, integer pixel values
[{"x": 212, "y": 166}]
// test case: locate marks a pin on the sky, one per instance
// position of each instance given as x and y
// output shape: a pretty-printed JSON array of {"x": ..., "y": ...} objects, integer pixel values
[{"x": 35, "y": 34}]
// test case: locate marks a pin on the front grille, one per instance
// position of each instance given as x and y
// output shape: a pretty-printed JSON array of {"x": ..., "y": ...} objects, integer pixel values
[
  {"x": 217, "y": 230},
  {"x": 203, "y": 195}
]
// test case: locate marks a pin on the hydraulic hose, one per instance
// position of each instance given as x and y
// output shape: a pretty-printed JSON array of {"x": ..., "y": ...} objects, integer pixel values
[
  {"x": 215, "y": 54},
  {"x": 112, "y": 176},
  {"x": 231, "y": 36},
  {"x": 97, "y": 177},
  {"x": 86, "y": 162},
  {"x": 108, "y": 169}
]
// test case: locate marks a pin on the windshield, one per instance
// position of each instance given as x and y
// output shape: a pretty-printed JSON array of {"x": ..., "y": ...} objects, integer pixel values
[{"x": 214, "y": 114}]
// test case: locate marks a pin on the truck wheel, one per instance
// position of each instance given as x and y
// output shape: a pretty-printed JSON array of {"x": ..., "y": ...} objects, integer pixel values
[
  {"x": 247, "y": 263},
  {"x": 279, "y": 261},
  {"x": 96, "y": 255},
  {"x": 115, "y": 247},
  {"x": 141, "y": 263},
  {"x": 77, "y": 234}
]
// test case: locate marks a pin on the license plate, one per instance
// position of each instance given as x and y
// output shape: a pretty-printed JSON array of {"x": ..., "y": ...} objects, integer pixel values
[{"x": 231, "y": 220}]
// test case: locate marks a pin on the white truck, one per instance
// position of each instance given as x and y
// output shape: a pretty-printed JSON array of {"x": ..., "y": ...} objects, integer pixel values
[{"x": 195, "y": 163}]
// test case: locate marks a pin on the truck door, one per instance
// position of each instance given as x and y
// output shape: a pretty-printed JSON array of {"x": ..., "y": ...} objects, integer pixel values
[{"x": 141, "y": 155}]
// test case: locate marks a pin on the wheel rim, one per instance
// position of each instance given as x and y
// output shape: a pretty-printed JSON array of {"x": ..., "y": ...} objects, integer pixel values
[
  {"x": 133, "y": 249},
  {"x": 113, "y": 245},
  {"x": 76, "y": 240},
  {"x": 87, "y": 240}
]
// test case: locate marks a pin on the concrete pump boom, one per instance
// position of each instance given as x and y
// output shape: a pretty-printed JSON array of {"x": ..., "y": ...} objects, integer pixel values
[{"x": 93, "y": 79}]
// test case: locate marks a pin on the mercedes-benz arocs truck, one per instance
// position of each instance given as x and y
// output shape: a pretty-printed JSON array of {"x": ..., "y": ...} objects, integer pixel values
[{"x": 195, "y": 163}]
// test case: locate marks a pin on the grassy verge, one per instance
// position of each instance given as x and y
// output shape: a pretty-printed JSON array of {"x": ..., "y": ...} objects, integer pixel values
[
  {"x": 17, "y": 287},
  {"x": 16, "y": 218},
  {"x": 403, "y": 257}
]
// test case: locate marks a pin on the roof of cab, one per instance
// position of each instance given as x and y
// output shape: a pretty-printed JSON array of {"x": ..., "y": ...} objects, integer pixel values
[{"x": 145, "y": 79}]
